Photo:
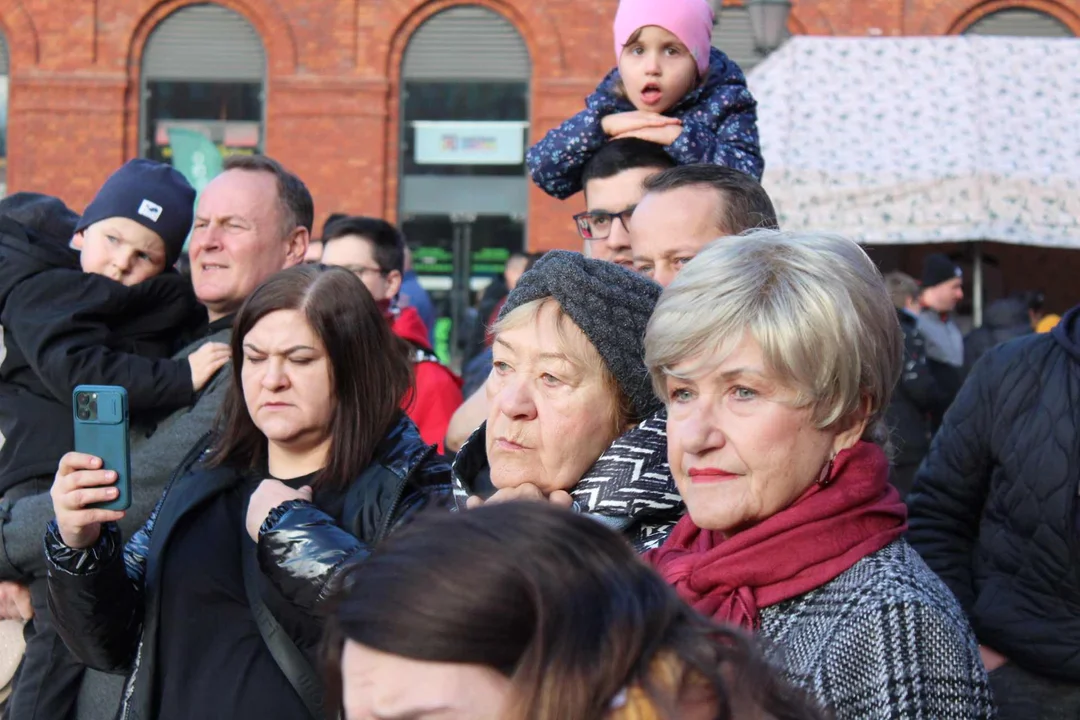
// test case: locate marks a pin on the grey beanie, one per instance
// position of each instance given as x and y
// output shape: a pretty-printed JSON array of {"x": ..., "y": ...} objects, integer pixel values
[{"x": 612, "y": 307}]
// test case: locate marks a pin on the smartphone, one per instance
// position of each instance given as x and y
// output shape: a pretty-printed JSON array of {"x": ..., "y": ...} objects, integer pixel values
[{"x": 101, "y": 430}]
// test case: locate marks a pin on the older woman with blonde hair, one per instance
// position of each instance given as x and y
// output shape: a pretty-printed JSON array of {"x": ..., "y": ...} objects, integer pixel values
[{"x": 776, "y": 354}]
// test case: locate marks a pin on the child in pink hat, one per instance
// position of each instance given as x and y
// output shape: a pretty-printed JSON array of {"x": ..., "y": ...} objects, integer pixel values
[{"x": 670, "y": 86}]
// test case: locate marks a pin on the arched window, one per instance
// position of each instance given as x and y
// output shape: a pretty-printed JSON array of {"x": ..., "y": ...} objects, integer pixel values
[
  {"x": 203, "y": 69},
  {"x": 463, "y": 185},
  {"x": 1019, "y": 22}
]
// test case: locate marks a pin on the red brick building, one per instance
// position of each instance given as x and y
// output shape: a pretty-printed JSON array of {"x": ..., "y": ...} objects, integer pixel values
[{"x": 342, "y": 91}]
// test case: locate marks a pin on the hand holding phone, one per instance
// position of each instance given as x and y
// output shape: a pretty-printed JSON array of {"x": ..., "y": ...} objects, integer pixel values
[{"x": 80, "y": 487}]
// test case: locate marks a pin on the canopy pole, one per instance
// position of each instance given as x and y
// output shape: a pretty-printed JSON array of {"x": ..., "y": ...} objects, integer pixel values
[{"x": 977, "y": 285}]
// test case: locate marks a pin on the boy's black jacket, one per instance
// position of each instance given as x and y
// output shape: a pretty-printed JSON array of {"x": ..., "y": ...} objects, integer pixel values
[{"x": 63, "y": 327}]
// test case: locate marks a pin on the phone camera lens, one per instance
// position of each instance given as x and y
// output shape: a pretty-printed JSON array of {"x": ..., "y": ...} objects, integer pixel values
[
  {"x": 83, "y": 400},
  {"x": 82, "y": 414}
]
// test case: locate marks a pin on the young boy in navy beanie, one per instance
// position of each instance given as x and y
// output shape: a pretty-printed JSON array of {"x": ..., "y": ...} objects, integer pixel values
[
  {"x": 90, "y": 300},
  {"x": 136, "y": 225}
]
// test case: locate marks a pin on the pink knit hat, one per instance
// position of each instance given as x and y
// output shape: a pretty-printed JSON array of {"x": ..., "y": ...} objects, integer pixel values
[{"x": 689, "y": 20}]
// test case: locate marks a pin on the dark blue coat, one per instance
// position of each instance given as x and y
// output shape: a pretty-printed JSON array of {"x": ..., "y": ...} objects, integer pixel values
[
  {"x": 719, "y": 128},
  {"x": 995, "y": 511}
]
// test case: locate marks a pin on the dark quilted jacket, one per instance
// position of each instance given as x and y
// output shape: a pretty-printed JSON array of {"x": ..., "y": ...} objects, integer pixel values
[{"x": 994, "y": 507}]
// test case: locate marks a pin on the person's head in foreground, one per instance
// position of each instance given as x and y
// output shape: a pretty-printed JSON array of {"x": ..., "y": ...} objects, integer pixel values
[
  {"x": 777, "y": 354},
  {"x": 559, "y": 621},
  {"x": 686, "y": 208}
]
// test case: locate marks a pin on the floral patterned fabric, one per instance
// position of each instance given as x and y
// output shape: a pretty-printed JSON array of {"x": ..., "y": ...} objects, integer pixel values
[{"x": 916, "y": 140}]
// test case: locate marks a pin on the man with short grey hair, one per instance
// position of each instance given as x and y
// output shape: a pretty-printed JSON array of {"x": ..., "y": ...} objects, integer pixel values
[
  {"x": 251, "y": 221},
  {"x": 686, "y": 208}
]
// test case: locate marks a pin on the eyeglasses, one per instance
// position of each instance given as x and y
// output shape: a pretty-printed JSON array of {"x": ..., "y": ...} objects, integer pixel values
[
  {"x": 597, "y": 225},
  {"x": 361, "y": 270}
]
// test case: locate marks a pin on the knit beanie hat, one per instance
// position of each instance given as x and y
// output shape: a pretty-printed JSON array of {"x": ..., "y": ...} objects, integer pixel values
[
  {"x": 689, "y": 20},
  {"x": 152, "y": 194},
  {"x": 610, "y": 304},
  {"x": 938, "y": 268},
  {"x": 42, "y": 215}
]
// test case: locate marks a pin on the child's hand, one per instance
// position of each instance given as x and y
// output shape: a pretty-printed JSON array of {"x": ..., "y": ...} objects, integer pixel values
[
  {"x": 619, "y": 124},
  {"x": 206, "y": 361},
  {"x": 660, "y": 135}
]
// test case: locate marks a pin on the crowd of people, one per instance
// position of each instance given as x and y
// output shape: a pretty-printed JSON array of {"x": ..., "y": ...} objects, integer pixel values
[{"x": 703, "y": 469}]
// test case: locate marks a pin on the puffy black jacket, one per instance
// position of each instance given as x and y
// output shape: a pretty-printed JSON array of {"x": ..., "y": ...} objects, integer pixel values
[
  {"x": 994, "y": 507},
  {"x": 917, "y": 397},
  {"x": 64, "y": 327},
  {"x": 105, "y": 600}
]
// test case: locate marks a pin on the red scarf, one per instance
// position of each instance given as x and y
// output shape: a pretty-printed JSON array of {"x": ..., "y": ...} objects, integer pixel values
[{"x": 833, "y": 525}]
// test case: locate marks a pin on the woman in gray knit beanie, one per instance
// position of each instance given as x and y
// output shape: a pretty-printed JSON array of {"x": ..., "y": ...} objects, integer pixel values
[{"x": 573, "y": 417}]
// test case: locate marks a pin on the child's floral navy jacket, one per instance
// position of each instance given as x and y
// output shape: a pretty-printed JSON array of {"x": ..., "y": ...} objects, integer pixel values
[{"x": 719, "y": 127}]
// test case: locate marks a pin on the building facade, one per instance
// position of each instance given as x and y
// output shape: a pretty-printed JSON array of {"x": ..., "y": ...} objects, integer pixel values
[{"x": 414, "y": 110}]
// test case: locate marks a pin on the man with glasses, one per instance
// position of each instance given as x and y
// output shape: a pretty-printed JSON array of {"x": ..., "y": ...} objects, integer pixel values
[
  {"x": 374, "y": 250},
  {"x": 614, "y": 184}
]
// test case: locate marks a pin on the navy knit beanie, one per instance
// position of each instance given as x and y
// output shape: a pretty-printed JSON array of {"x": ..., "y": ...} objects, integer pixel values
[
  {"x": 152, "y": 194},
  {"x": 938, "y": 269},
  {"x": 611, "y": 305}
]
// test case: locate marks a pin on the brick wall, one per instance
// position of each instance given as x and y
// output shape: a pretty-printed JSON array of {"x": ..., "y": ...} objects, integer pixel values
[{"x": 333, "y": 82}]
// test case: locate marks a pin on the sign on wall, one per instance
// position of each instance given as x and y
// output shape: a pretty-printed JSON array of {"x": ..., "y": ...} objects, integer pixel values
[{"x": 469, "y": 143}]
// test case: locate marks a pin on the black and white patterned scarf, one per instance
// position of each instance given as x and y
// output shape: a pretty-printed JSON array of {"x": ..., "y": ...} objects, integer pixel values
[{"x": 629, "y": 488}]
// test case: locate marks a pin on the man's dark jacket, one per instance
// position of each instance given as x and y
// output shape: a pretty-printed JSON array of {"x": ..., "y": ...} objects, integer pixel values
[{"x": 994, "y": 509}]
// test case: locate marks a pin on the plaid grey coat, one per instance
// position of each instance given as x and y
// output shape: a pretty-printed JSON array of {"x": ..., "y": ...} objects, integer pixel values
[{"x": 886, "y": 639}]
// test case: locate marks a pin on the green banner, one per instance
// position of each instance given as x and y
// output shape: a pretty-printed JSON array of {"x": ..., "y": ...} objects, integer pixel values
[{"x": 196, "y": 157}]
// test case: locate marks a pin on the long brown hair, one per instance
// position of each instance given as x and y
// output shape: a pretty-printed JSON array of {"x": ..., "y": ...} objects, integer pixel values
[
  {"x": 369, "y": 367},
  {"x": 561, "y": 606}
]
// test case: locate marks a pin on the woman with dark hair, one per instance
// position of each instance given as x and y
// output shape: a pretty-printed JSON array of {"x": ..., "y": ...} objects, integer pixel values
[
  {"x": 560, "y": 621},
  {"x": 212, "y": 615}
]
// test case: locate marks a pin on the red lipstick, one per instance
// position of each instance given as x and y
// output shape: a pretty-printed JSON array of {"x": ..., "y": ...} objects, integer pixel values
[{"x": 710, "y": 475}]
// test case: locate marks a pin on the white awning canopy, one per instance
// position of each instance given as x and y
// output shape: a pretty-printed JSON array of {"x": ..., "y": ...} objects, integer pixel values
[{"x": 924, "y": 140}]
